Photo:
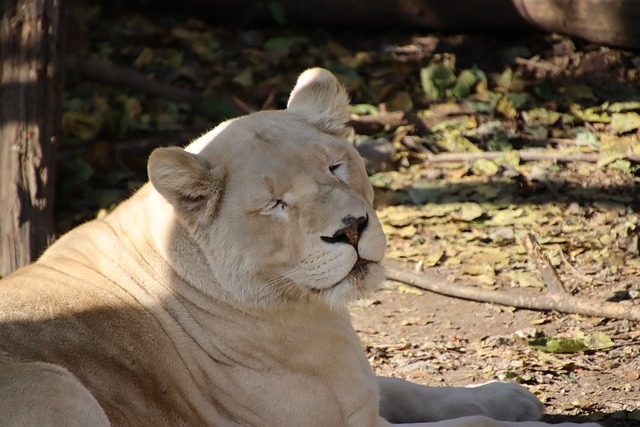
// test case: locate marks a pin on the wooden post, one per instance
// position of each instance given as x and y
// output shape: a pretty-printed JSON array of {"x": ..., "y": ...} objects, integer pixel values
[{"x": 30, "y": 109}]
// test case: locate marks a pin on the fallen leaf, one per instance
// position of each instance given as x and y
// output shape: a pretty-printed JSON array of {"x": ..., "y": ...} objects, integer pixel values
[
  {"x": 485, "y": 167},
  {"x": 525, "y": 279},
  {"x": 432, "y": 258},
  {"x": 598, "y": 341},
  {"x": 506, "y": 107},
  {"x": 466, "y": 82},
  {"x": 435, "y": 80},
  {"x": 245, "y": 78},
  {"x": 559, "y": 345},
  {"x": 406, "y": 289},
  {"x": 625, "y": 122},
  {"x": 541, "y": 116},
  {"x": 469, "y": 212}
]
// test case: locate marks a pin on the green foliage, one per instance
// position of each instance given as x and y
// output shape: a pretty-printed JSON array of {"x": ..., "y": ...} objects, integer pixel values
[
  {"x": 591, "y": 342},
  {"x": 436, "y": 79}
]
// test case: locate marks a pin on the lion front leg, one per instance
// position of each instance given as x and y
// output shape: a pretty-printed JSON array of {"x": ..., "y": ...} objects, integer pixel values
[
  {"x": 490, "y": 405},
  {"x": 480, "y": 421},
  {"x": 41, "y": 394},
  {"x": 405, "y": 402}
]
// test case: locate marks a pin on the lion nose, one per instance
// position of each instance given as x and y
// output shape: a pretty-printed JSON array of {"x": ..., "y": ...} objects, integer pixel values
[{"x": 354, "y": 227}]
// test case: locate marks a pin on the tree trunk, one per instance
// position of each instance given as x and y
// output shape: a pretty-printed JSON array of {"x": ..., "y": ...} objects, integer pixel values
[{"x": 30, "y": 108}]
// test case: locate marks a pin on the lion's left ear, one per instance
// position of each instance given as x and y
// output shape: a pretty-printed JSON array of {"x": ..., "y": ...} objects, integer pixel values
[
  {"x": 187, "y": 182},
  {"x": 321, "y": 100}
]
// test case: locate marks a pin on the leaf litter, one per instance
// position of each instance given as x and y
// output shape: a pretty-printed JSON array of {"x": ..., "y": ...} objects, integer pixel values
[{"x": 425, "y": 95}]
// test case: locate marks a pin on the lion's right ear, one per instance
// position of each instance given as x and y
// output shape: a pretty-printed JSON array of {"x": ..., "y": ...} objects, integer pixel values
[
  {"x": 186, "y": 181},
  {"x": 320, "y": 99}
]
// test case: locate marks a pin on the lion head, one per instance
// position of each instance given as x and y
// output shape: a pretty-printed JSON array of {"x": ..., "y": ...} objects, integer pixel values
[{"x": 277, "y": 204}]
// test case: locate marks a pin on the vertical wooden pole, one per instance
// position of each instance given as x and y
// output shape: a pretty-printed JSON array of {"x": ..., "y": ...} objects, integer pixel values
[{"x": 30, "y": 109}]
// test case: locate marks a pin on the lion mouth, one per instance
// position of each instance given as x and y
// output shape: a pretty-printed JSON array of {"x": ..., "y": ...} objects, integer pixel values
[
  {"x": 360, "y": 265},
  {"x": 358, "y": 272}
]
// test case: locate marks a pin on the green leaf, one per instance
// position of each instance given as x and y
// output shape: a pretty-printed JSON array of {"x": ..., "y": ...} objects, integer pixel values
[
  {"x": 540, "y": 116},
  {"x": 590, "y": 115},
  {"x": 486, "y": 167},
  {"x": 284, "y": 44},
  {"x": 579, "y": 92},
  {"x": 277, "y": 12},
  {"x": 400, "y": 101},
  {"x": 620, "y": 164},
  {"x": 621, "y": 107},
  {"x": 505, "y": 79},
  {"x": 584, "y": 136},
  {"x": 518, "y": 99},
  {"x": 608, "y": 159},
  {"x": 506, "y": 107},
  {"x": 245, "y": 78},
  {"x": 364, "y": 109},
  {"x": 582, "y": 342},
  {"x": 625, "y": 122},
  {"x": 559, "y": 345},
  {"x": 381, "y": 180},
  {"x": 598, "y": 341},
  {"x": 436, "y": 79},
  {"x": 465, "y": 83},
  {"x": 81, "y": 173},
  {"x": 454, "y": 142},
  {"x": 204, "y": 50},
  {"x": 81, "y": 124}
]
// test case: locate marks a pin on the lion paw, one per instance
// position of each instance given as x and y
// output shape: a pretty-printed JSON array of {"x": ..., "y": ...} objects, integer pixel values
[{"x": 507, "y": 402}]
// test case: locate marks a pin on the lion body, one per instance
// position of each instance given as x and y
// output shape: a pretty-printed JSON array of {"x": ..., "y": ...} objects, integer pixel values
[{"x": 216, "y": 295}]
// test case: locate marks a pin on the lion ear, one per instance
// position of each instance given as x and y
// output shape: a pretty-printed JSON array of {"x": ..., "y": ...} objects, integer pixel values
[
  {"x": 321, "y": 100},
  {"x": 186, "y": 181}
]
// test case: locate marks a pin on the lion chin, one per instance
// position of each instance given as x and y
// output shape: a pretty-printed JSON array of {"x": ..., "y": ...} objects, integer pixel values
[{"x": 364, "y": 278}]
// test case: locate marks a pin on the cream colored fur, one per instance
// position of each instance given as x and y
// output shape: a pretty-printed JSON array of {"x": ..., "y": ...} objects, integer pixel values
[{"x": 216, "y": 295}]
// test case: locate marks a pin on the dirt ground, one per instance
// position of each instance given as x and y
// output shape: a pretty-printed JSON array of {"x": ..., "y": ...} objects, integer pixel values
[{"x": 438, "y": 340}]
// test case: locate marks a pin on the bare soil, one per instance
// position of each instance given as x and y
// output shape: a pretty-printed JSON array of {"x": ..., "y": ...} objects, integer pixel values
[{"x": 437, "y": 340}]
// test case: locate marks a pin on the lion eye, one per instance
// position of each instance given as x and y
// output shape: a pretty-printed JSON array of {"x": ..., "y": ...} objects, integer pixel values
[
  {"x": 277, "y": 207},
  {"x": 280, "y": 204},
  {"x": 339, "y": 170},
  {"x": 334, "y": 168}
]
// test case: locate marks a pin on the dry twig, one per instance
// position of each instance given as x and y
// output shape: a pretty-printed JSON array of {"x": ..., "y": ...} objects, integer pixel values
[
  {"x": 526, "y": 156},
  {"x": 549, "y": 275},
  {"x": 561, "y": 302},
  {"x": 137, "y": 81}
]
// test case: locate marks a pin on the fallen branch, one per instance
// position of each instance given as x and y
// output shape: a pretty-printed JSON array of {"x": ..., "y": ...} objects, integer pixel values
[
  {"x": 369, "y": 125},
  {"x": 557, "y": 141},
  {"x": 549, "y": 274},
  {"x": 122, "y": 76},
  {"x": 526, "y": 156},
  {"x": 544, "y": 66},
  {"x": 561, "y": 302},
  {"x": 139, "y": 147},
  {"x": 140, "y": 82}
]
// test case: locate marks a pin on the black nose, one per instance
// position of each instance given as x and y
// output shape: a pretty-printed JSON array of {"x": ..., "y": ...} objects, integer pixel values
[{"x": 351, "y": 233}]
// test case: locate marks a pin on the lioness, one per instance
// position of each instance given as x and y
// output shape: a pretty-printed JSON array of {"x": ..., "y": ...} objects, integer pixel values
[{"x": 217, "y": 294}]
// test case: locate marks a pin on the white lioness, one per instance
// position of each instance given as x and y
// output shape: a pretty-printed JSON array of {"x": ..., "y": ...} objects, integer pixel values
[{"x": 217, "y": 294}]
